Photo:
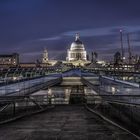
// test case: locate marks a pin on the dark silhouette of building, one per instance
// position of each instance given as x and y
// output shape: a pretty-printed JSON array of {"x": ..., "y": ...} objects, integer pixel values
[
  {"x": 94, "y": 57},
  {"x": 117, "y": 58},
  {"x": 87, "y": 57}
]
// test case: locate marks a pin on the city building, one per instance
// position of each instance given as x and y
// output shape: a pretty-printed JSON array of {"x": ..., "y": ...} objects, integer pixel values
[
  {"x": 46, "y": 61},
  {"x": 77, "y": 50},
  {"x": 117, "y": 58},
  {"x": 45, "y": 56},
  {"x": 9, "y": 59},
  {"x": 94, "y": 57},
  {"x": 77, "y": 54}
]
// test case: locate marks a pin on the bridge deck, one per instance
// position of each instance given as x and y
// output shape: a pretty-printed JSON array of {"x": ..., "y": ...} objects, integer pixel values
[{"x": 63, "y": 122}]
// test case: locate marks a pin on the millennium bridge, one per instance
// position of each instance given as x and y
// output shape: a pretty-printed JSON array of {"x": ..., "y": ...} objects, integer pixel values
[{"x": 74, "y": 104}]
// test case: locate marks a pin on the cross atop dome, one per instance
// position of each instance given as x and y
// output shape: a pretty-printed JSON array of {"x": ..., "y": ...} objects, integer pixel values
[{"x": 77, "y": 37}]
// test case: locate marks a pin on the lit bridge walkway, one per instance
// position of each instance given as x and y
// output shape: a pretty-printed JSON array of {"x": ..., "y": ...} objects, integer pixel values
[{"x": 71, "y": 122}]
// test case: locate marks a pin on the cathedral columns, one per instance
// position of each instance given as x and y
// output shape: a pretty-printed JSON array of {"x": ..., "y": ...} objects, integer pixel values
[{"x": 77, "y": 50}]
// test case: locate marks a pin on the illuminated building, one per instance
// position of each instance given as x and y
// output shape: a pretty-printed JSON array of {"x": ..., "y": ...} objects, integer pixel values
[
  {"x": 77, "y": 54},
  {"x": 46, "y": 61},
  {"x": 77, "y": 50},
  {"x": 9, "y": 59},
  {"x": 45, "y": 56}
]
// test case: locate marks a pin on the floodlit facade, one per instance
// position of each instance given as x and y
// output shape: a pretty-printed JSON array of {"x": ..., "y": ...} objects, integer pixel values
[
  {"x": 77, "y": 54},
  {"x": 9, "y": 59},
  {"x": 45, "y": 56},
  {"x": 77, "y": 51}
]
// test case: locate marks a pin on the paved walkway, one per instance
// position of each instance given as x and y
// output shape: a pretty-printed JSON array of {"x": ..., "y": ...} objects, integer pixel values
[{"x": 62, "y": 123}]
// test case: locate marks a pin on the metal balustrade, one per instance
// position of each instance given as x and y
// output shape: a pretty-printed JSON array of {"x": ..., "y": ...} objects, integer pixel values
[
  {"x": 118, "y": 102},
  {"x": 29, "y": 86}
]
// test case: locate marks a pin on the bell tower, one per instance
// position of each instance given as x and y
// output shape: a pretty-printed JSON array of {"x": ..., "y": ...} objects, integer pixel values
[{"x": 45, "y": 56}]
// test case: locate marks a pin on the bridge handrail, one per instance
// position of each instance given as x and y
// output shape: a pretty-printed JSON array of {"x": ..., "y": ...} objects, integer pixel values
[
  {"x": 122, "y": 98},
  {"x": 121, "y": 81},
  {"x": 112, "y": 100},
  {"x": 35, "y": 87},
  {"x": 26, "y": 97}
]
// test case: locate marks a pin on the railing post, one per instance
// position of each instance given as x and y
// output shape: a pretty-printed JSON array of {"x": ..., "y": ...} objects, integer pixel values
[{"x": 14, "y": 108}]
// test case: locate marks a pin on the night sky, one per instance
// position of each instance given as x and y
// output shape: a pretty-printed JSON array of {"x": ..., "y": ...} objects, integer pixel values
[{"x": 29, "y": 26}]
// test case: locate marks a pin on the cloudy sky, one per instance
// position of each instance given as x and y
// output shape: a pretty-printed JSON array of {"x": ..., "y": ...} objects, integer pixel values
[{"x": 29, "y": 26}]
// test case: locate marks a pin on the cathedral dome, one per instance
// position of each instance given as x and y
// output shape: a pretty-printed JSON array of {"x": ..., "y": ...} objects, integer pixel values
[
  {"x": 77, "y": 51},
  {"x": 77, "y": 44}
]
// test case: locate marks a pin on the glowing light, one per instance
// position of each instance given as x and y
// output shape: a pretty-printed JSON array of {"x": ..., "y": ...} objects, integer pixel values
[
  {"x": 14, "y": 78},
  {"x": 113, "y": 89},
  {"x": 101, "y": 62}
]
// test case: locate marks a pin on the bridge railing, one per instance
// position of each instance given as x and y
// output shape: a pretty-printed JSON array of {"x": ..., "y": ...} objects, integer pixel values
[
  {"x": 120, "y": 102},
  {"x": 30, "y": 86},
  {"x": 122, "y": 109},
  {"x": 91, "y": 85},
  {"x": 108, "y": 105},
  {"x": 120, "y": 81},
  {"x": 115, "y": 89},
  {"x": 13, "y": 107}
]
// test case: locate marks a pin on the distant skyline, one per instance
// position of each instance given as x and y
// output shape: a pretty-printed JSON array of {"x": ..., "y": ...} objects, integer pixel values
[{"x": 29, "y": 26}]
